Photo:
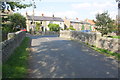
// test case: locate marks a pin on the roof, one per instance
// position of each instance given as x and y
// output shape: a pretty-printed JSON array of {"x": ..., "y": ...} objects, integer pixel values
[
  {"x": 77, "y": 21},
  {"x": 90, "y": 21},
  {"x": 44, "y": 18}
]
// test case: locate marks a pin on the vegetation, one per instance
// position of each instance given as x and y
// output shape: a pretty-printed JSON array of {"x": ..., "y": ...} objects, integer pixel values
[
  {"x": 118, "y": 37},
  {"x": 105, "y": 52},
  {"x": 16, "y": 66},
  {"x": 54, "y": 27},
  {"x": 17, "y": 21},
  {"x": 10, "y": 22},
  {"x": 109, "y": 53},
  {"x": 13, "y": 5},
  {"x": 82, "y": 27},
  {"x": 105, "y": 23},
  {"x": 37, "y": 28},
  {"x": 71, "y": 28}
]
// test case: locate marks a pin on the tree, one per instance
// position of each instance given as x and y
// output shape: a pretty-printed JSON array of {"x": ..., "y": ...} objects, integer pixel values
[
  {"x": 13, "y": 5},
  {"x": 17, "y": 21},
  {"x": 7, "y": 27},
  {"x": 54, "y": 27},
  {"x": 105, "y": 23},
  {"x": 38, "y": 26}
]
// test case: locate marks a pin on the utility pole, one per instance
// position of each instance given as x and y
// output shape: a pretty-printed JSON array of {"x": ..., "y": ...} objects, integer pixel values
[
  {"x": 33, "y": 23},
  {"x": 118, "y": 1},
  {"x": 118, "y": 19}
]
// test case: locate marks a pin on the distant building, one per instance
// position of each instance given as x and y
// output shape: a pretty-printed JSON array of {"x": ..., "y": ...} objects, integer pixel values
[
  {"x": 91, "y": 24},
  {"x": 44, "y": 21},
  {"x": 74, "y": 22},
  {"x": 90, "y": 21},
  {"x": 79, "y": 25}
]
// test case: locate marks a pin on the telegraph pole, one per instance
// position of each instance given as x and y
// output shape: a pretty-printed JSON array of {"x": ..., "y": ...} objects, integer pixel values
[
  {"x": 33, "y": 23},
  {"x": 118, "y": 1},
  {"x": 118, "y": 19}
]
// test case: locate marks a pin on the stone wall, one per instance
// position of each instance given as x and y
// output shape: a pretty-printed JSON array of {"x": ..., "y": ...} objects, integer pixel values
[
  {"x": 47, "y": 33},
  {"x": 8, "y": 46},
  {"x": 93, "y": 38}
]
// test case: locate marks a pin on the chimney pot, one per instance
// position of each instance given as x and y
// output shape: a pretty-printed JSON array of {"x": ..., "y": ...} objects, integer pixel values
[
  {"x": 53, "y": 15},
  {"x": 76, "y": 18},
  {"x": 42, "y": 14}
]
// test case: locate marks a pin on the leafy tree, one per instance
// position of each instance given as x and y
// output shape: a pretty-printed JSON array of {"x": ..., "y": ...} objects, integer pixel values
[
  {"x": 54, "y": 27},
  {"x": 7, "y": 27},
  {"x": 83, "y": 27},
  {"x": 13, "y": 5},
  {"x": 17, "y": 21},
  {"x": 105, "y": 23},
  {"x": 38, "y": 26}
]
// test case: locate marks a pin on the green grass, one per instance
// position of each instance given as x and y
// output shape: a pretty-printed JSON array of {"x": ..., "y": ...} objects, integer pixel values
[
  {"x": 107, "y": 53},
  {"x": 102, "y": 51},
  {"x": 16, "y": 66},
  {"x": 118, "y": 37}
]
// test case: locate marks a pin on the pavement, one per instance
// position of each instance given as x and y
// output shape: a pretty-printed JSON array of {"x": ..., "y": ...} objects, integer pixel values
[{"x": 55, "y": 57}]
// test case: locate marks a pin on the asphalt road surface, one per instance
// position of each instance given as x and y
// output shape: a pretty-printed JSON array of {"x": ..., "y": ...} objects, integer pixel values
[{"x": 55, "y": 57}]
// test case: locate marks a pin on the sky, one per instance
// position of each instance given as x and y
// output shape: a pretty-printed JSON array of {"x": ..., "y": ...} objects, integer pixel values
[{"x": 81, "y": 9}]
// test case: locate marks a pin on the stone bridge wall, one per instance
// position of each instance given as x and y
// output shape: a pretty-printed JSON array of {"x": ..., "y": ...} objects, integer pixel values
[
  {"x": 47, "y": 33},
  {"x": 8, "y": 46},
  {"x": 93, "y": 38}
]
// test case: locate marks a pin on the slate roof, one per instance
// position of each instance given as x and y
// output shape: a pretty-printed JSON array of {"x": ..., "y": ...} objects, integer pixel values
[
  {"x": 44, "y": 18},
  {"x": 78, "y": 21}
]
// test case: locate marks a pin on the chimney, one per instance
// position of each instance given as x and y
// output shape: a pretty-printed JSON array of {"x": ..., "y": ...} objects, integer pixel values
[
  {"x": 42, "y": 14},
  {"x": 26, "y": 13},
  {"x": 53, "y": 15},
  {"x": 76, "y": 18}
]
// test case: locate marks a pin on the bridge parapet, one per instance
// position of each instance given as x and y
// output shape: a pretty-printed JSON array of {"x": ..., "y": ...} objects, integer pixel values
[
  {"x": 8, "y": 46},
  {"x": 93, "y": 38}
]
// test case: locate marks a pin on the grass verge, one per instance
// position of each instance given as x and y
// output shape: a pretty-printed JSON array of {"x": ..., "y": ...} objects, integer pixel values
[
  {"x": 107, "y": 53},
  {"x": 16, "y": 66},
  {"x": 118, "y": 37},
  {"x": 102, "y": 51}
]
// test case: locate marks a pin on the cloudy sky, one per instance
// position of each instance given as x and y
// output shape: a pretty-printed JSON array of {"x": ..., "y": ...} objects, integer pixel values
[{"x": 81, "y": 9}]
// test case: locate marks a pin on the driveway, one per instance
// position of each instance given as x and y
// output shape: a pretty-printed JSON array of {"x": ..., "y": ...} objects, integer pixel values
[{"x": 55, "y": 57}]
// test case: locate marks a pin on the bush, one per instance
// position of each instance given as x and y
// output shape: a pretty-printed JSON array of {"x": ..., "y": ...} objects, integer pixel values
[
  {"x": 17, "y": 19},
  {"x": 37, "y": 28},
  {"x": 71, "y": 28},
  {"x": 54, "y": 27}
]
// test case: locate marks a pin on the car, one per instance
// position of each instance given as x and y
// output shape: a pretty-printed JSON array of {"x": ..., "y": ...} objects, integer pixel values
[
  {"x": 23, "y": 29},
  {"x": 85, "y": 30}
]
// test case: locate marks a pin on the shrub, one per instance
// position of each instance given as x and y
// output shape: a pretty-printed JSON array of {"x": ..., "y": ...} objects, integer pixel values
[{"x": 54, "y": 27}]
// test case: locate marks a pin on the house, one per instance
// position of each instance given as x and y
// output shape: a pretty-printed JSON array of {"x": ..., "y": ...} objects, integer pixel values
[
  {"x": 77, "y": 24},
  {"x": 44, "y": 21},
  {"x": 90, "y": 21},
  {"x": 91, "y": 24},
  {"x": 72, "y": 22}
]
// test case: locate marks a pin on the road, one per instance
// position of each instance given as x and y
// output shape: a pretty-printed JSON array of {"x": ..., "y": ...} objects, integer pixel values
[{"x": 55, "y": 57}]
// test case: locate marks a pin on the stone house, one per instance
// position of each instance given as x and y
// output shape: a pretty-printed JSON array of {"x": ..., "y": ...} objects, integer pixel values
[
  {"x": 91, "y": 24},
  {"x": 44, "y": 21},
  {"x": 77, "y": 24}
]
